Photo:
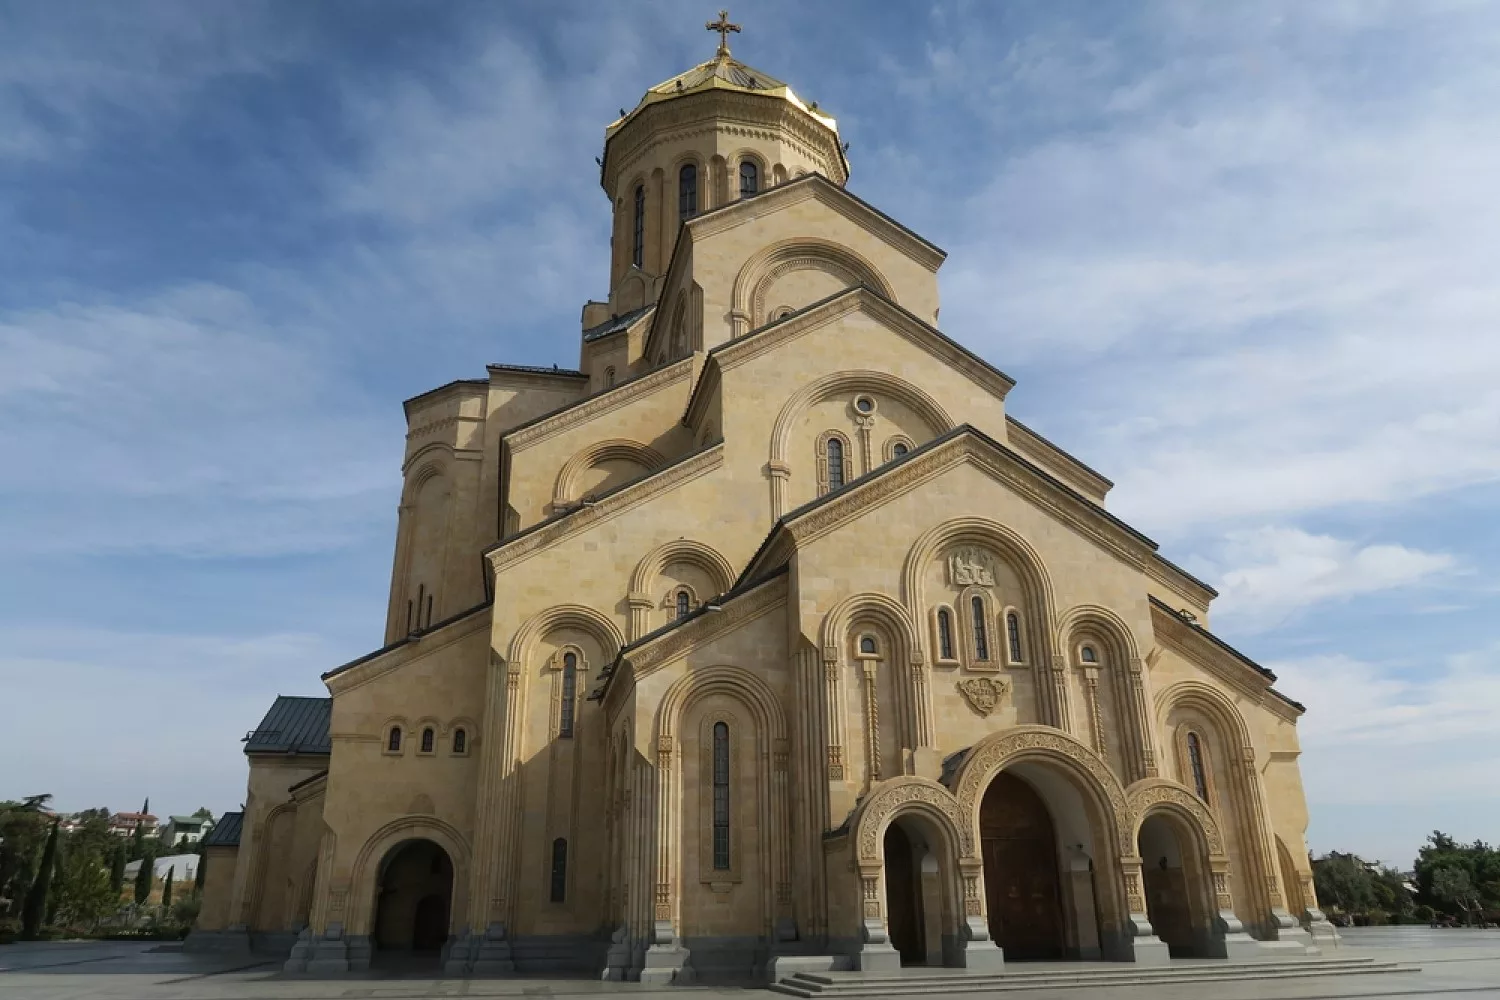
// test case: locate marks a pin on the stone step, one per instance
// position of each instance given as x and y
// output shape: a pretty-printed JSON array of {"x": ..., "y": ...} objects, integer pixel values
[
  {"x": 854, "y": 984},
  {"x": 1023, "y": 970}
]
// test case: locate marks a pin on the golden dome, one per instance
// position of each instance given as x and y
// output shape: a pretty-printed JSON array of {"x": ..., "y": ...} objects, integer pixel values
[{"x": 723, "y": 72}]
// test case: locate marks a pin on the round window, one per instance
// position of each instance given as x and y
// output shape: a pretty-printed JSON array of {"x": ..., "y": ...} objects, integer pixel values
[{"x": 864, "y": 404}]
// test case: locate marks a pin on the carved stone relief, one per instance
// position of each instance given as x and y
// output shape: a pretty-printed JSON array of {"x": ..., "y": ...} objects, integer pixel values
[
  {"x": 984, "y": 694},
  {"x": 971, "y": 568}
]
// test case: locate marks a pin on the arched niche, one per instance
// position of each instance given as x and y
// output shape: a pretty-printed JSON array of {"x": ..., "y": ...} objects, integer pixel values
[
  {"x": 601, "y": 467},
  {"x": 798, "y": 272}
]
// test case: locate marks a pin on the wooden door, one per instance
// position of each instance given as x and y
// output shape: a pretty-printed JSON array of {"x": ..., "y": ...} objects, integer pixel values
[
  {"x": 903, "y": 898},
  {"x": 1022, "y": 889}
]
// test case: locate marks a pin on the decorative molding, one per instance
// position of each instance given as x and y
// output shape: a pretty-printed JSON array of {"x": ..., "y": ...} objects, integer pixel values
[
  {"x": 900, "y": 795},
  {"x": 597, "y": 405},
  {"x": 627, "y": 497}
]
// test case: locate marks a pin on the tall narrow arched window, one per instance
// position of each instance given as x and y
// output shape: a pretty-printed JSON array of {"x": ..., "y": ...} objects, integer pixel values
[
  {"x": 460, "y": 741},
  {"x": 684, "y": 603},
  {"x": 429, "y": 740},
  {"x": 687, "y": 192},
  {"x": 1013, "y": 635},
  {"x": 835, "y": 463},
  {"x": 981, "y": 633},
  {"x": 638, "y": 236},
  {"x": 945, "y": 634},
  {"x": 393, "y": 741},
  {"x": 559, "y": 870},
  {"x": 609, "y": 377},
  {"x": 749, "y": 178},
  {"x": 569, "y": 695},
  {"x": 721, "y": 796},
  {"x": 1087, "y": 655},
  {"x": 1195, "y": 761}
]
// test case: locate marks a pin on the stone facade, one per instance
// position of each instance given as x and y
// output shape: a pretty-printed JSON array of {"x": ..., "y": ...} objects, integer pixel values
[{"x": 768, "y": 639}]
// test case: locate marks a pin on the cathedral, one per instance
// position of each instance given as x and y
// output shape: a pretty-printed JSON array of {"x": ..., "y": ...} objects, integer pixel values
[{"x": 765, "y": 640}]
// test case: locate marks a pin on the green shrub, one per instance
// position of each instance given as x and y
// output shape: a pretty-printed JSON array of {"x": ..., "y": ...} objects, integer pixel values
[
  {"x": 1377, "y": 918},
  {"x": 1423, "y": 913},
  {"x": 9, "y": 931}
]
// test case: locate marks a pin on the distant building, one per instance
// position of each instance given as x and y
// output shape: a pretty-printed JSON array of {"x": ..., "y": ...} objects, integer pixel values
[
  {"x": 124, "y": 824},
  {"x": 184, "y": 869},
  {"x": 189, "y": 828}
]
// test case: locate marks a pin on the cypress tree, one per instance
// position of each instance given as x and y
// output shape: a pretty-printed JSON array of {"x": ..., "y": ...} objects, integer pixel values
[
  {"x": 202, "y": 871},
  {"x": 166, "y": 887},
  {"x": 35, "y": 906},
  {"x": 138, "y": 842},
  {"x": 117, "y": 871},
  {"x": 143, "y": 879}
]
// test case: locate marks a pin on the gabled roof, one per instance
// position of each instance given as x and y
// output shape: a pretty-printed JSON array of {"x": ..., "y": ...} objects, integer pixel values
[
  {"x": 226, "y": 832},
  {"x": 293, "y": 725},
  {"x": 1193, "y": 628},
  {"x": 901, "y": 321},
  {"x": 409, "y": 638},
  {"x": 1083, "y": 505}
]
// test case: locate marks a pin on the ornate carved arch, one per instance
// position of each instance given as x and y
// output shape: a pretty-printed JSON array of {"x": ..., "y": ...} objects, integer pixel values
[
  {"x": 909, "y": 794},
  {"x": 1088, "y": 772},
  {"x": 1214, "y": 704},
  {"x": 1125, "y": 677},
  {"x": 747, "y": 311},
  {"x": 723, "y": 679},
  {"x": 364, "y": 878},
  {"x": 612, "y": 450},
  {"x": 1153, "y": 795},
  {"x": 874, "y": 607},
  {"x": 1108, "y": 625}
]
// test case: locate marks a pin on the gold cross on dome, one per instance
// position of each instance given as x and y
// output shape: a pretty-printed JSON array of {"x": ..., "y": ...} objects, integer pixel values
[{"x": 723, "y": 27}]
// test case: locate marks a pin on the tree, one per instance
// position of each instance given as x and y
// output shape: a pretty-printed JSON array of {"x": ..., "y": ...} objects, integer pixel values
[
  {"x": 1452, "y": 885},
  {"x": 23, "y": 831},
  {"x": 1478, "y": 860},
  {"x": 202, "y": 871},
  {"x": 202, "y": 813},
  {"x": 84, "y": 895},
  {"x": 36, "y": 900},
  {"x": 166, "y": 887},
  {"x": 117, "y": 870},
  {"x": 143, "y": 880},
  {"x": 59, "y": 881},
  {"x": 1345, "y": 881}
]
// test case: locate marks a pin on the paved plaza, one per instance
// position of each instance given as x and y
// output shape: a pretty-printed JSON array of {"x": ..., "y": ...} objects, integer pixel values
[{"x": 1453, "y": 962}]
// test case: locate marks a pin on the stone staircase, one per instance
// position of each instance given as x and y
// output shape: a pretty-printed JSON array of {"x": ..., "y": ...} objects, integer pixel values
[{"x": 910, "y": 982}]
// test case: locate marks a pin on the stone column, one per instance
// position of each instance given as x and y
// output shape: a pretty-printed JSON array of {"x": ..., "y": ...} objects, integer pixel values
[
  {"x": 872, "y": 724},
  {"x": 1262, "y": 848},
  {"x": 1147, "y": 948},
  {"x": 1096, "y": 724},
  {"x": 665, "y": 960},
  {"x": 779, "y": 472},
  {"x": 1319, "y": 929},
  {"x": 1059, "y": 691},
  {"x": 876, "y": 953},
  {"x": 640, "y": 613},
  {"x": 1144, "y": 764},
  {"x": 980, "y": 952},
  {"x": 1229, "y": 938},
  {"x": 485, "y": 947}
]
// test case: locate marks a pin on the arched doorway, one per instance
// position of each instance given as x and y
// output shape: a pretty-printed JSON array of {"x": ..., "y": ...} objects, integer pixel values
[
  {"x": 1175, "y": 877},
  {"x": 413, "y": 899},
  {"x": 903, "y": 896},
  {"x": 1022, "y": 887}
]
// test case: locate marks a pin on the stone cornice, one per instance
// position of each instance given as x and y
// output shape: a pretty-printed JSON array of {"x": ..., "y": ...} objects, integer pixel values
[
  {"x": 593, "y": 406},
  {"x": 1203, "y": 649},
  {"x": 460, "y": 387},
  {"x": 541, "y": 536},
  {"x": 720, "y": 110},
  {"x": 818, "y": 188},
  {"x": 1180, "y": 582},
  {"x": 860, "y": 299},
  {"x": 1026, "y": 440},
  {"x": 963, "y": 445},
  {"x": 415, "y": 646},
  {"x": 703, "y": 390}
]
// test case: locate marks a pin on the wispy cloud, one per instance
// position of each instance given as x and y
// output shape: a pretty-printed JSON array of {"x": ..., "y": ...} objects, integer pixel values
[{"x": 1264, "y": 575}]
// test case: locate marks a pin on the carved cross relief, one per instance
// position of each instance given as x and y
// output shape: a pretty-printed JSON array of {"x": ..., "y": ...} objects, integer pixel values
[{"x": 984, "y": 694}]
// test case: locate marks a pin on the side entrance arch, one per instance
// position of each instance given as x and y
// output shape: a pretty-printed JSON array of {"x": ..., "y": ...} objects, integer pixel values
[{"x": 414, "y": 899}]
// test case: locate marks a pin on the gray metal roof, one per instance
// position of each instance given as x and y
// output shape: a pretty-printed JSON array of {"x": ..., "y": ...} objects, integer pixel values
[
  {"x": 616, "y": 323},
  {"x": 293, "y": 725},
  {"x": 226, "y": 832}
]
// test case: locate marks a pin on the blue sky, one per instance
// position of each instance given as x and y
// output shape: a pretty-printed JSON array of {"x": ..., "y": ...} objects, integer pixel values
[{"x": 1240, "y": 258}]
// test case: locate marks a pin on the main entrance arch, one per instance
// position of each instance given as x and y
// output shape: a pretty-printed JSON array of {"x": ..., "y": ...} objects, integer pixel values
[
  {"x": 1022, "y": 886},
  {"x": 414, "y": 899}
]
